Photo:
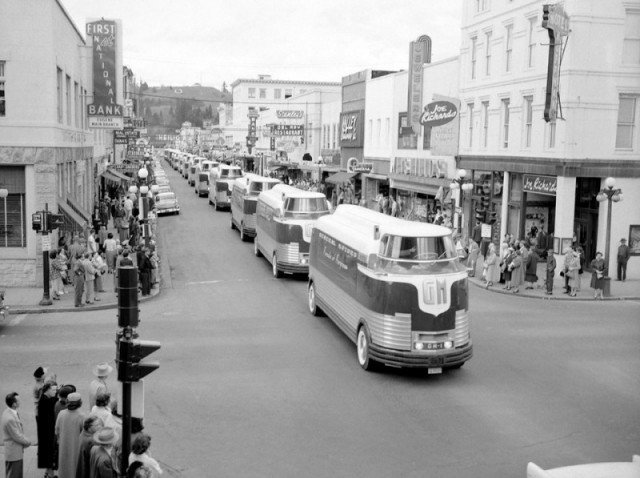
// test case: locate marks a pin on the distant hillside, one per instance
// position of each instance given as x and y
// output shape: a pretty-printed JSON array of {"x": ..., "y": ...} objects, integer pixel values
[{"x": 170, "y": 106}]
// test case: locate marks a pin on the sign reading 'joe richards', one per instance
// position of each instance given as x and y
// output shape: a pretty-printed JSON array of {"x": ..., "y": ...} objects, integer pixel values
[{"x": 104, "y": 112}]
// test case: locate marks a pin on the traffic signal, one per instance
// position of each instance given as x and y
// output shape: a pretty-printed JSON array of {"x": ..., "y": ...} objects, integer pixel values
[
  {"x": 131, "y": 367},
  {"x": 55, "y": 221},
  {"x": 128, "y": 297},
  {"x": 36, "y": 221},
  {"x": 493, "y": 217},
  {"x": 482, "y": 209}
]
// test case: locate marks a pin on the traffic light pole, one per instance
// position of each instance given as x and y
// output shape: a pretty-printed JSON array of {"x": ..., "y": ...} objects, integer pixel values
[
  {"x": 126, "y": 428},
  {"x": 46, "y": 299}
]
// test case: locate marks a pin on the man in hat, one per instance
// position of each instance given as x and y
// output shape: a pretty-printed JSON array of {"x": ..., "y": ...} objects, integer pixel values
[
  {"x": 623, "y": 257},
  {"x": 13, "y": 437},
  {"x": 99, "y": 384},
  {"x": 69, "y": 426},
  {"x": 101, "y": 461}
]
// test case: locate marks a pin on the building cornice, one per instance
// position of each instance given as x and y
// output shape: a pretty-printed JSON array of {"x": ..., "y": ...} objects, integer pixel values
[{"x": 284, "y": 82}]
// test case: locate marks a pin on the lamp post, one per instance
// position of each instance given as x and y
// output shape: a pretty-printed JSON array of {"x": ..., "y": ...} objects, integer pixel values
[
  {"x": 459, "y": 183},
  {"x": 3, "y": 194},
  {"x": 609, "y": 194}
]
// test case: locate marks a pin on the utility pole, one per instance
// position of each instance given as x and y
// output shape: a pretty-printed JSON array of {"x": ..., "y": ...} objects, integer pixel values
[{"x": 46, "y": 247}]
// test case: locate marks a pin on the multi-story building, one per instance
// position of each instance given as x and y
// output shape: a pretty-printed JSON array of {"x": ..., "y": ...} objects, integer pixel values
[
  {"x": 48, "y": 155},
  {"x": 264, "y": 94},
  {"x": 547, "y": 174}
]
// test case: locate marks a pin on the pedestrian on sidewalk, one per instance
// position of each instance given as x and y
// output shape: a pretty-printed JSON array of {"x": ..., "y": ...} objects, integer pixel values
[
  {"x": 55, "y": 275},
  {"x": 102, "y": 237},
  {"x": 623, "y": 257},
  {"x": 506, "y": 268},
  {"x": 91, "y": 425},
  {"x": 92, "y": 246},
  {"x": 531, "y": 269},
  {"x": 102, "y": 409},
  {"x": 491, "y": 266},
  {"x": 517, "y": 271},
  {"x": 63, "y": 393},
  {"x": 89, "y": 278},
  {"x": 78, "y": 280},
  {"x": 111, "y": 252},
  {"x": 69, "y": 425},
  {"x": 101, "y": 267},
  {"x": 573, "y": 268},
  {"x": 139, "y": 452},
  {"x": 46, "y": 427},
  {"x": 155, "y": 262},
  {"x": 597, "y": 276},
  {"x": 144, "y": 268},
  {"x": 551, "y": 271},
  {"x": 13, "y": 437},
  {"x": 472, "y": 260},
  {"x": 568, "y": 255},
  {"x": 101, "y": 458},
  {"x": 40, "y": 377},
  {"x": 99, "y": 384}
]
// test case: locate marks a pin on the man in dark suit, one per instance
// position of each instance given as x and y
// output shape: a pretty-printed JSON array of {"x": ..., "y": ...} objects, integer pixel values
[
  {"x": 13, "y": 436},
  {"x": 101, "y": 462},
  {"x": 623, "y": 257}
]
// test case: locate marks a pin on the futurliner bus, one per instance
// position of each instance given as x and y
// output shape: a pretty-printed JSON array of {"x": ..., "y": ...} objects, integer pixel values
[
  {"x": 285, "y": 219},
  {"x": 244, "y": 200},
  {"x": 394, "y": 287}
]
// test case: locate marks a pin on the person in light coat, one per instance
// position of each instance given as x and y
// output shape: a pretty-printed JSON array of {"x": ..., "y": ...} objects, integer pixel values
[
  {"x": 492, "y": 266},
  {"x": 69, "y": 426},
  {"x": 517, "y": 272},
  {"x": 13, "y": 437}
]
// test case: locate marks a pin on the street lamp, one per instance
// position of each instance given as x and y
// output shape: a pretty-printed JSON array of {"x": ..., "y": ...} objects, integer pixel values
[
  {"x": 608, "y": 193},
  {"x": 155, "y": 188},
  {"x": 459, "y": 183},
  {"x": 133, "y": 189},
  {"x": 3, "y": 194}
]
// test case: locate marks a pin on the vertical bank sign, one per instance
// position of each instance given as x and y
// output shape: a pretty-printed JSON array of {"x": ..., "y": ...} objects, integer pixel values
[
  {"x": 104, "y": 112},
  {"x": 556, "y": 21}
]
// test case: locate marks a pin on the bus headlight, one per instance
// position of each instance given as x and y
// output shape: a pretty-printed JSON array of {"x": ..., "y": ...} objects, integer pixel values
[
  {"x": 448, "y": 344},
  {"x": 419, "y": 345}
]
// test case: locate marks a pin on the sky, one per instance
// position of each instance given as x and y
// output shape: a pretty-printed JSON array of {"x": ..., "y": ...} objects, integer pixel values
[{"x": 210, "y": 41}]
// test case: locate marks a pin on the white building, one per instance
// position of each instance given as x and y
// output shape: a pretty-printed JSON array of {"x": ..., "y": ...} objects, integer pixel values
[
  {"x": 548, "y": 174},
  {"x": 47, "y": 153}
]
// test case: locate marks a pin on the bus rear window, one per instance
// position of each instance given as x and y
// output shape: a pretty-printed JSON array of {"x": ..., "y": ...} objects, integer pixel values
[
  {"x": 305, "y": 205},
  {"x": 417, "y": 248},
  {"x": 231, "y": 173},
  {"x": 257, "y": 187}
]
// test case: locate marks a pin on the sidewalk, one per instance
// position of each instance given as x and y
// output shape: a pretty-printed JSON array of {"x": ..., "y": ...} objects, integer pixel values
[{"x": 627, "y": 290}]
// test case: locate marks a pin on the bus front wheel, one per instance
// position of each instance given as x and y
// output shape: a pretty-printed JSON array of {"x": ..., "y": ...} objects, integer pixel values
[{"x": 362, "y": 343}]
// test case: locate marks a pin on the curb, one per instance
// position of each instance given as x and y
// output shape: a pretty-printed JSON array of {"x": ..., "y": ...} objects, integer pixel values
[
  {"x": 45, "y": 310},
  {"x": 480, "y": 285}
]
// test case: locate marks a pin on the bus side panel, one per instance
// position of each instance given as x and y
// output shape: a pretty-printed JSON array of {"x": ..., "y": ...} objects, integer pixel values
[{"x": 266, "y": 229}]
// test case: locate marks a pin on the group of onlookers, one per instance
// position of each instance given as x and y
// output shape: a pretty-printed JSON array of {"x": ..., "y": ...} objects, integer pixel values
[{"x": 73, "y": 443}]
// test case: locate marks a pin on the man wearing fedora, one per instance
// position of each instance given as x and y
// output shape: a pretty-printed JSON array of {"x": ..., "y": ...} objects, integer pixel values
[
  {"x": 623, "y": 257},
  {"x": 13, "y": 437},
  {"x": 99, "y": 384},
  {"x": 101, "y": 461}
]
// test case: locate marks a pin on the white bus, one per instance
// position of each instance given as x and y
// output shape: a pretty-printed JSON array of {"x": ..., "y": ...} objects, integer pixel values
[
  {"x": 244, "y": 200},
  {"x": 285, "y": 219},
  {"x": 193, "y": 169},
  {"x": 221, "y": 184},
  {"x": 394, "y": 287},
  {"x": 202, "y": 177}
]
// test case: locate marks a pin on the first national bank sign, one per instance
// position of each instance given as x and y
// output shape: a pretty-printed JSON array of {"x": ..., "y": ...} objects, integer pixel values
[{"x": 104, "y": 112}]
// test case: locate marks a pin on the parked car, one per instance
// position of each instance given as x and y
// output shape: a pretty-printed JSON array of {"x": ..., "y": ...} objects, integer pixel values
[{"x": 167, "y": 203}]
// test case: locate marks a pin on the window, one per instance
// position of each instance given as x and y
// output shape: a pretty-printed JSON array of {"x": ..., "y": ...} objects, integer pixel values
[
  {"x": 59, "y": 93},
  {"x": 263, "y": 93},
  {"x": 474, "y": 41},
  {"x": 485, "y": 123},
  {"x": 288, "y": 93},
  {"x": 532, "y": 40},
  {"x": 487, "y": 54},
  {"x": 482, "y": 5},
  {"x": 252, "y": 92},
  {"x": 470, "y": 112},
  {"x": 508, "y": 42},
  {"x": 76, "y": 99},
  {"x": 277, "y": 93},
  {"x": 626, "y": 121},
  {"x": 68, "y": 98},
  {"x": 505, "y": 123},
  {"x": 12, "y": 208},
  {"x": 528, "y": 120},
  {"x": 631, "y": 45},
  {"x": 552, "y": 135},
  {"x": 407, "y": 139}
]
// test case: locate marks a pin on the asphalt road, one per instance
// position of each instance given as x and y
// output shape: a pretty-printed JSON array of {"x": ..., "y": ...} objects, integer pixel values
[{"x": 250, "y": 384}]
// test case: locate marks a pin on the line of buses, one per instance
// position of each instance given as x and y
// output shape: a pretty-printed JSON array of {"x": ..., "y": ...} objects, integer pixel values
[{"x": 396, "y": 288}]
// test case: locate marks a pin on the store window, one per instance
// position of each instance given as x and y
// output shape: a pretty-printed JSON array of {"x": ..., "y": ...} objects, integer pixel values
[
  {"x": 252, "y": 92},
  {"x": 12, "y": 208},
  {"x": 407, "y": 139},
  {"x": 627, "y": 109}
]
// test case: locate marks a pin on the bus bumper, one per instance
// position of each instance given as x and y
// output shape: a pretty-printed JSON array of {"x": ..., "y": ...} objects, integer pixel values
[
  {"x": 398, "y": 358},
  {"x": 289, "y": 268}
]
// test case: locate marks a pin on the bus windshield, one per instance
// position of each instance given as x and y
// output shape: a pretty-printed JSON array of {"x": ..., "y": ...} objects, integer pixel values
[
  {"x": 294, "y": 207},
  {"x": 257, "y": 187},
  {"x": 231, "y": 173},
  {"x": 417, "y": 248}
]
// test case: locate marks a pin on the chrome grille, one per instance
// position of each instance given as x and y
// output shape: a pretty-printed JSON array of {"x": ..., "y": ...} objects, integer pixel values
[
  {"x": 288, "y": 253},
  {"x": 461, "y": 333}
]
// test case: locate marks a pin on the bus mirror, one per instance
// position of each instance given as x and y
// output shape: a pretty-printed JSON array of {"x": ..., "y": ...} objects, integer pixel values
[{"x": 376, "y": 232}]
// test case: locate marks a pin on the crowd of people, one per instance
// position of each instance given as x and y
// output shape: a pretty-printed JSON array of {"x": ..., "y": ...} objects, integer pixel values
[{"x": 74, "y": 442}]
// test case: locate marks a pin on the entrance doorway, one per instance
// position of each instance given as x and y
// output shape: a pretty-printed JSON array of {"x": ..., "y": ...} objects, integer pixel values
[{"x": 586, "y": 216}]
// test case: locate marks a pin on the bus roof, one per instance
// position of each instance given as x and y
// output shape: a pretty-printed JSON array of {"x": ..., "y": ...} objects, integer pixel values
[
  {"x": 276, "y": 195},
  {"x": 249, "y": 178},
  {"x": 355, "y": 225}
]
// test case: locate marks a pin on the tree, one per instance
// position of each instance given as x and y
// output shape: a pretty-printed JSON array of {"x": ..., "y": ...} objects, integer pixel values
[{"x": 144, "y": 86}]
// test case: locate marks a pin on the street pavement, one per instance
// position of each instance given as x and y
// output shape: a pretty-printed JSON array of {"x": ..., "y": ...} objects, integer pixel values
[{"x": 250, "y": 384}]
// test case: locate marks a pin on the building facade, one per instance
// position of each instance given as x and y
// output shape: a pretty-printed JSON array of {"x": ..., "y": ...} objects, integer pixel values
[
  {"x": 48, "y": 155},
  {"x": 547, "y": 174}
]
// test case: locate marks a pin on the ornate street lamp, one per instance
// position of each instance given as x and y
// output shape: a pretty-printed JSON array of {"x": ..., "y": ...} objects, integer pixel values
[
  {"x": 610, "y": 194},
  {"x": 459, "y": 183},
  {"x": 144, "y": 189},
  {"x": 133, "y": 189},
  {"x": 155, "y": 188}
]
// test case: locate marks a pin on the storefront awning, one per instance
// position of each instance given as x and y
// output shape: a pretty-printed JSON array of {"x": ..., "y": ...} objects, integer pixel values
[
  {"x": 68, "y": 211},
  {"x": 379, "y": 177},
  {"x": 340, "y": 177},
  {"x": 115, "y": 176},
  {"x": 421, "y": 185}
]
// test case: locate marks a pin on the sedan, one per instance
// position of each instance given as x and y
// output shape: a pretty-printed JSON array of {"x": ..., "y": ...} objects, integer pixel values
[{"x": 167, "y": 203}]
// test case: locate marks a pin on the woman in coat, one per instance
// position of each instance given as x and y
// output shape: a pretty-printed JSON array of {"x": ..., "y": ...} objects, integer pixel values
[
  {"x": 46, "y": 425},
  {"x": 517, "y": 271},
  {"x": 573, "y": 267},
  {"x": 597, "y": 277},
  {"x": 531, "y": 268},
  {"x": 505, "y": 267},
  {"x": 491, "y": 267}
]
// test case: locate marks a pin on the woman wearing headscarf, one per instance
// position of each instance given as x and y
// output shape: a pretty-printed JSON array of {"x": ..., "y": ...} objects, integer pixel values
[
  {"x": 46, "y": 425},
  {"x": 573, "y": 266},
  {"x": 491, "y": 265}
]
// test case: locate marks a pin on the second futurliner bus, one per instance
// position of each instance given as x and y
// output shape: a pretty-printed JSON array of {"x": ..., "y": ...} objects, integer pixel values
[
  {"x": 285, "y": 217},
  {"x": 244, "y": 200},
  {"x": 394, "y": 287}
]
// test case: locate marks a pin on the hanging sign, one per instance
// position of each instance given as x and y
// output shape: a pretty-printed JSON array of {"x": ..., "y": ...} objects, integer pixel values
[
  {"x": 534, "y": 183},
  {"x": 556, "y": 21}
]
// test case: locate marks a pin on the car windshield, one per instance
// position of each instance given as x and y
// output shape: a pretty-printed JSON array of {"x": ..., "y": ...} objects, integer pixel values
[
  {"x": 300, "y": 206},
  {"x": 257, "y": 187},
  {"x": 231, "y": 173}
]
